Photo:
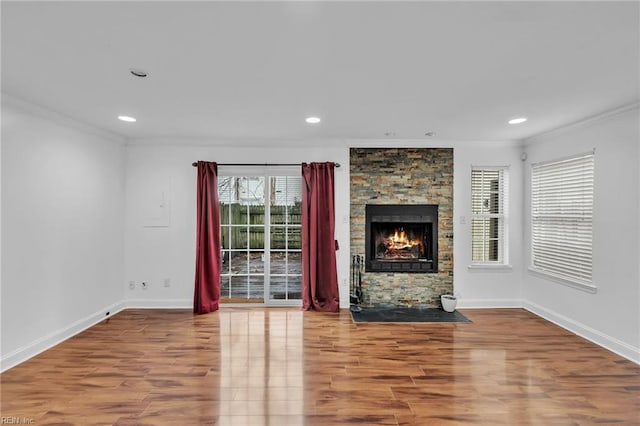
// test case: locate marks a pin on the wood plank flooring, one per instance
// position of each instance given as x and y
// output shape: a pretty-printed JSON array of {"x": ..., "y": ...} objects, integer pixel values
[{"x": 281, "y": 366}]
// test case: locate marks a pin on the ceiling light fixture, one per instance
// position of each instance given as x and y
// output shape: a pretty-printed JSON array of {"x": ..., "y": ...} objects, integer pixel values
[
  {"x": 126, "y": 118},
  {"x": 312, "y": 120},
  {"x": 430, "y": 133},
  {"x": 138, "y": 72},
  {"x": 517, "y": 120}
]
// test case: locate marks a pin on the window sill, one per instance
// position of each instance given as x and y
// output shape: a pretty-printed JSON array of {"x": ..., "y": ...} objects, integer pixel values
[
  {"x": 589, "y": 288},
  {"x": 489, "y": 267}
]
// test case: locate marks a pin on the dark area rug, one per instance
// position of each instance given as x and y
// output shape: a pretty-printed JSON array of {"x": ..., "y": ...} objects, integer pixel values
[{"x": 400, "y": 314}]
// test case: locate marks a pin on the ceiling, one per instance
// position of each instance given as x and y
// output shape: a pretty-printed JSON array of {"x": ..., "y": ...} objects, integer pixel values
[{"x": 238, "y": 71}]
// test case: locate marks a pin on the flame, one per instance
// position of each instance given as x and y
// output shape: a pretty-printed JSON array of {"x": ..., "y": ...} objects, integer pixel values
[
  {"x": 400, "y": 240},
  {"x": 400, "y": 237}
]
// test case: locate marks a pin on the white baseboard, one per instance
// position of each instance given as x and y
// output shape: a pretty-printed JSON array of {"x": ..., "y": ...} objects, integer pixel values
[
  {"x": 489, "y": 303},
  {"x": 610, "y": 343},
  {"x": 40, "y": 345},
  {"x": 22, "y": 354},
  {"x": 158, "y": 304}
]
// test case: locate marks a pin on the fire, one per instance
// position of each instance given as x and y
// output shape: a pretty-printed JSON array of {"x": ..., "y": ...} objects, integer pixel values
[
  {"x": 400, "y": 239},
  {"x": 399, "y": 244}
]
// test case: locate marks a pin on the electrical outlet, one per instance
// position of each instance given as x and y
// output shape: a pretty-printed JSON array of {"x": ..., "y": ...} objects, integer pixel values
[
  {"x": 145, "y": 285},
  {"x": 167, "y": 282},
  {"x": 132, "y": 285}
]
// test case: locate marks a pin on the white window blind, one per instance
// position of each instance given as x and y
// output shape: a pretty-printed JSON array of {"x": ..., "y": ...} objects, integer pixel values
[
  {"x": 562, "y": 218},
  {"x": 489, "y": 204}
]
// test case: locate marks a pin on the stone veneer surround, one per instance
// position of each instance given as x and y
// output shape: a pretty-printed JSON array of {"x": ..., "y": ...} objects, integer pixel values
[{"x": 404, "y": 176}]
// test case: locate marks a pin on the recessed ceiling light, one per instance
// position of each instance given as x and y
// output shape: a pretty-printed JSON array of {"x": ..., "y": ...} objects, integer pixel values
[
  {"x": 517, "y": 120},
  {"x": 312, "y": 120},
  {"x": 126, "y": 118},
  {"x": 138, "y": 72}
]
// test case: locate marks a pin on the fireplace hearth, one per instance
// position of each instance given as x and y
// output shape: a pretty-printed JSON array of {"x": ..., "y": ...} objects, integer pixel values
[{"x": 401, "y": 238}]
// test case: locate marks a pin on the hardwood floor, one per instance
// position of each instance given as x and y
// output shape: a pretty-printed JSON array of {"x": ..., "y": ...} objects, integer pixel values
[{"x": 256, "y": 366}]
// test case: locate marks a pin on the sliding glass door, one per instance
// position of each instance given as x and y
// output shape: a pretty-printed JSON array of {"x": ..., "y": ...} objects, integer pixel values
[{"x": 261, "y": 239}]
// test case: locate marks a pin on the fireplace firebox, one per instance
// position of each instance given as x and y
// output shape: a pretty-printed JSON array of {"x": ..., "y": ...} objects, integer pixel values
[{"x": 401, "y": 238}]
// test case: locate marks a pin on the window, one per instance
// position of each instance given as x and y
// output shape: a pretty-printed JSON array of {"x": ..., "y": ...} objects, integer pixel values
[
  {"x": 489, "y": 202},
  {"x": 562, "y": 217}
]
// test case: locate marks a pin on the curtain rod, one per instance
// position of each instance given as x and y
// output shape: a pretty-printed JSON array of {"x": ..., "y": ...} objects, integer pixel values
[{"x": 257, "y": 164}]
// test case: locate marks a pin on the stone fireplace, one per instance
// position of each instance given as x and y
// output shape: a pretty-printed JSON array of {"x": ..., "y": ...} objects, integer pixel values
[
  {"x": 408, "y": 252},
  {"x": 401, "y": 238}
]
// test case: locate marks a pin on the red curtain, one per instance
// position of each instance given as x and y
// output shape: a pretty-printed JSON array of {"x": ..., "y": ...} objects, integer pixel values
[
  {"x": 207, "y": 283},
  {"x": 319, "y": 272}
]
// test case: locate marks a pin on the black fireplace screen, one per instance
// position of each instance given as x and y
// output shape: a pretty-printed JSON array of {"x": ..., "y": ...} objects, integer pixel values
[{"x": 401, "y": 238}]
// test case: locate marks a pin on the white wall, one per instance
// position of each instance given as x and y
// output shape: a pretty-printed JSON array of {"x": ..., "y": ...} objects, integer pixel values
[
  {"x": 488, "y": 286},
  {"x": 154, "y": 254},
  {"x": 610, "y": 316},
  {"x": 62, "y": 228}
]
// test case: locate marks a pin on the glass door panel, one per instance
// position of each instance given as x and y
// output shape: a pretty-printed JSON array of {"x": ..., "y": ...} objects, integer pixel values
[
  {"x": 242, "y": 225},
  {"x": 285, "y": 258}
]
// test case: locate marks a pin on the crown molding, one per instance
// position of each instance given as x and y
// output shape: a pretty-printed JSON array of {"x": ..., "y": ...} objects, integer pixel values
[
  {"x": 584, "y": 121},
  {"x": 49, "y": 114}
]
